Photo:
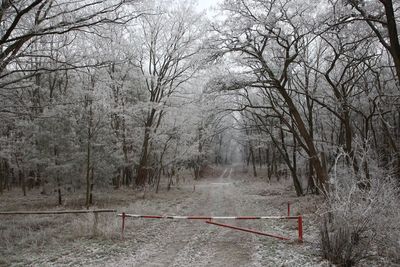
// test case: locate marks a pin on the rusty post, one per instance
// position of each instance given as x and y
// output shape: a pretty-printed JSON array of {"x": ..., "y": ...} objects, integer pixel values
[{"x": 300, "y": 228}]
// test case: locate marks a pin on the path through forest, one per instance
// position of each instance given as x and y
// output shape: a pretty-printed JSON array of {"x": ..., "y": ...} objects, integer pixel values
[{"x": 193, "y": 243}]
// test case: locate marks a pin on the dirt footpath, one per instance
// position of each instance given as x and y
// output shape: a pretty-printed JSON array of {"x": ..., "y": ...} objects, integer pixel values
[{"x": 195, "y": 243}]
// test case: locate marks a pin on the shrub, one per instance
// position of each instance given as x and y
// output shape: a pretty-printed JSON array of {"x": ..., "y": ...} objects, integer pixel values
[{"x": 359, "y": 221}]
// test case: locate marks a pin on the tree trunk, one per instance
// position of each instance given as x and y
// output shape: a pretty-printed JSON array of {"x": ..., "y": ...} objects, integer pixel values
[
  {"x": 91, "y": 186},
  {"x": 311, "y": 184},
  {"x": 142, "y": 172},
  {"x": 295, "y": 178},
  {"x": 89, "y": 147},
  {"x": 57, "y": 175},
  {"x": 59, "y": 190},
  {"x": 393, "y": 47},
  {"x": 248, "y": 159},
  {"x": 393, "y": 35},
  {"x": 393, "y": 149},
  {"x": 196, "y": 170},
  {"x": 310, "y": 105},
  {"x": 274, "y": 163},
  {"x": 291, "y": 165},
  {"x": 320, "y": 172},
  {"x": 253, "y": 161},
  {"x": 296, "y": 182},
  {"x": 117, "y": 180},
  {"x": 88, "y": 159},
  {"x": 127, "y": 172},
  {"x": 349, "y": 141},
  {"x": 269, "y": 164},
  {"x": 43, "y": 187},
  {"x": 159, "y": 179},
  {"x": 2, "y": 175},
  {"x": 23, "y": 182}
]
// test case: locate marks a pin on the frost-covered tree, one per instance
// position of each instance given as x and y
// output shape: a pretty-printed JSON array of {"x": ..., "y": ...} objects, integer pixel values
[
  {"x": 267, "y": 39},
  {"x": 168, "y": 56}
]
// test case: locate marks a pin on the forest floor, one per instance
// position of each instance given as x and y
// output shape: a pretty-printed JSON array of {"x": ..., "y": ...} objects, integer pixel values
[{"x": 67, "y": 240}]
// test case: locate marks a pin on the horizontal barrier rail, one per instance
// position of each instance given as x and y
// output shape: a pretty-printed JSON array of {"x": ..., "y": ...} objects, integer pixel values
[
  {"x": 247, "y": 230},
  {"x": 54, "y": 212},
  {"x": 208, "y": 219}
]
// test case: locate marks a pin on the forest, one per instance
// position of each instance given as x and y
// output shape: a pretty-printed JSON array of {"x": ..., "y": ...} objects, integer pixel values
[{"x": 131, "y": 97}]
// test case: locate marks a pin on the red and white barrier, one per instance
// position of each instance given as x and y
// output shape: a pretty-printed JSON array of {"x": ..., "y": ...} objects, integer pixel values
[
  {"x": 248, "y": 230},
  {"x": 209, "y": 217},
  {"x": 209, "y": 220}
]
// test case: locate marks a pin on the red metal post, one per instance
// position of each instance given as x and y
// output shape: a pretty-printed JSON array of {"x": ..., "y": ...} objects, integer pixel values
[
  {"x": 300, "y": 228},
  {"x": 123, "y": 225},
  {"x": 288, "y": 209}
]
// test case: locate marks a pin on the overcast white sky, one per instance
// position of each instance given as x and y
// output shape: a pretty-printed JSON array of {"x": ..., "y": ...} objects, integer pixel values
[{"x": 204, "y": 4}]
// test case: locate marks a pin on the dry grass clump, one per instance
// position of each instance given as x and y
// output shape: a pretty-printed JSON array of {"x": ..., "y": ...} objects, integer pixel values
[
  {"x": 36, "y": 231},
  {"x": 36, "y": 234}
]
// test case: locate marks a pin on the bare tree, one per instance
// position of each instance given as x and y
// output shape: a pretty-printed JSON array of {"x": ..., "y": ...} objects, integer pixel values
[
  {"x": 270, "y": 46},
  {"x": 380, "y": 16},
  {"x": 167, "y": 59}
]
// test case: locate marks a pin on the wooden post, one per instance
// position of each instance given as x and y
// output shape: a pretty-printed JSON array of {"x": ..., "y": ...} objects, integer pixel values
[
  {"x": 288, "y": 209},
  {"x": 95, "y": 223},
  {"x": 123, "y": 225}
]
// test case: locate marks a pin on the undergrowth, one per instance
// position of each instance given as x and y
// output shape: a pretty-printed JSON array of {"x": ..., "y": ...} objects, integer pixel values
[{"x": 360, "y": 218}]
